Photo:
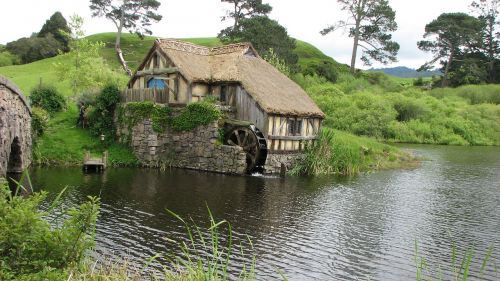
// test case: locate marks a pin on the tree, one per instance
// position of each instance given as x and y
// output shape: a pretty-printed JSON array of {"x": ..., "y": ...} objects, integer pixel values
[
  {"x": 132, "y": 15},
  {"x": 58, "y": 27},
  {"x": 369, "y": 23},
  {"x": 35, "y": 48},
  {"x": 451, "y": 35},
  {"x": 487, "y": 12},
  {"x": 264, "y": 34},
  {"x": 243, "y": 9},
  {"x": 87, "y": 69}
]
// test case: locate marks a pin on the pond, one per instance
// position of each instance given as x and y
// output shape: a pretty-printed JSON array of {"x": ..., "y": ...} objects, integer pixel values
[{"x": 321, "y": 228}]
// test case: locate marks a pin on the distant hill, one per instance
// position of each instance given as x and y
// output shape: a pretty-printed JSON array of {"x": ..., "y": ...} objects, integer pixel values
[{"x": 405, "y": 72}]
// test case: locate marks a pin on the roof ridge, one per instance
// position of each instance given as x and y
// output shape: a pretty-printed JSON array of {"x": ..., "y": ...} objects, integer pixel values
[{"x": 184, "y": 46}]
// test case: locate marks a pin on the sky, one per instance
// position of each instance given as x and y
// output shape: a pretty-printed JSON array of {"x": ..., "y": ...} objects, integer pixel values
[{"x": 201, "y": 18}]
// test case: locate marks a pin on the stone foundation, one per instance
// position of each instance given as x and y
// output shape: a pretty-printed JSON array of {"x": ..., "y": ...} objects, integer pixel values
[
  {"x": 197, "y": 149},
  {"x": 15, "y": 129},
  {"x": 281, "y": 163}
]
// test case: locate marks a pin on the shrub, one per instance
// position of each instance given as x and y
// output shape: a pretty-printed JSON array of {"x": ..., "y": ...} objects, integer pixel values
[
  {"x": 33, "y": 249},
  {"x": 326, "y": 69},
  {"x": 39, "y": 121},
  {"x": 101, "y": 115},
  {"x": 196, "y": 114},
  {"x": 48, "y": 98},
  {"x": 6, "y": 59}
]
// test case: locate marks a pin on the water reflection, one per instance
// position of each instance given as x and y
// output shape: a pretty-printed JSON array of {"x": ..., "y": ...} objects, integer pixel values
[{"x": 311, "y": 228}]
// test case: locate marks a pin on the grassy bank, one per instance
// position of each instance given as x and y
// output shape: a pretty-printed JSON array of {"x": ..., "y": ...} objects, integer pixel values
[
  {"x": 63, "y": 144},
  {"x": 341, "y": 153}
]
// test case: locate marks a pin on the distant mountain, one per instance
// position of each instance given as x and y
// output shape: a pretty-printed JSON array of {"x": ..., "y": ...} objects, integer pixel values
[{"x": 405, "y": 72}]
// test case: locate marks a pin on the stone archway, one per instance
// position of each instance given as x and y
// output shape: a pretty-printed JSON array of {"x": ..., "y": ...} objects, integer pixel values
[
  {"x": 15, "y": 129},
  {"x": 15, "y": 162}
]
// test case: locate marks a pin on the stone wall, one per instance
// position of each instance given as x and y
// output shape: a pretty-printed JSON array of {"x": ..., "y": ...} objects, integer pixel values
[
  {"x": 197, "y": 149},
  {"x": 279, "y": 164},
  {"x": 15, "y": 129}
]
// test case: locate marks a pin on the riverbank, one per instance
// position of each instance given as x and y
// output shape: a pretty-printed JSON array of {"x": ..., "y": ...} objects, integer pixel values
[{"x": 64, "y": 144}]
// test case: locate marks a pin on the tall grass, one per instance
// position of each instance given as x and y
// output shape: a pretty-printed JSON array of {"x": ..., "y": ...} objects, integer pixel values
[
  {"x": 340, "y": 153},
  {"x": 459, "y": 269},
  {"x": 205, "y": 255}
]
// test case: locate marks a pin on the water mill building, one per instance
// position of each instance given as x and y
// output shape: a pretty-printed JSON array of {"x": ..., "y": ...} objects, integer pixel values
[{"x": 176, "y": 73}]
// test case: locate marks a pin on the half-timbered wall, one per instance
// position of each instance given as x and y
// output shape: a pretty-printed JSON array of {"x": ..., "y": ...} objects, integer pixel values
[
  {"x": 283, "y": 136},
  {"x": 177, "y": 84}
]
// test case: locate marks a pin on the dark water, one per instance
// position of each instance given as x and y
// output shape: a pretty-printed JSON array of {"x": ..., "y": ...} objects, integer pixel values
[{"x": 361, "y": 228}]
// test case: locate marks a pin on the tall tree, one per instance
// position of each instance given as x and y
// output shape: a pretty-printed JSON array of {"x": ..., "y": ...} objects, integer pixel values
[
  {"x": 266, "y": 35},
  {"x": 487, "y": 12},
  {"x": 58, "y": 27},
  {"x": 132, "y": 15},
  {"x": 370, "y": 23},
  {"x": 451, "y": 34},
  {"x": 244, "y": 9}
]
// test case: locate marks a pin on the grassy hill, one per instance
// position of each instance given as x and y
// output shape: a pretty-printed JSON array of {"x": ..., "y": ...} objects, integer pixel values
[{"x": 134, "y": 49}]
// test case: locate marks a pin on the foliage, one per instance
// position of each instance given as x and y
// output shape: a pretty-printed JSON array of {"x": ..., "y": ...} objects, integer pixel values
[
  {"x": 102, "y": 113},
  {"x": 450, "y": 34},
  {"x": 336, "y": 152},
  {"x": 372, "y": 20},
  {"x": 243, "y": 9},
  {"x": 132, "y": 15},
  {"x": 460, "y": 266},
  {"x": 264, "y": 34},
  {"x": 58, "y": 27},
  {"x": 48, "y": 98},
  {"x": 64, "y": 144},
  {"x": 33, "y": 249},
  {"x": 45, "y": 44},
  {"x": 35, "y": 48},
  {"x": 467, "y": 115},
  {"x": 133, "y": 112},
  {"x": 6, "y": 58},
  {"x": 487, "y": 12},
  {"x": 39, "y": 121},
  {"x": 83, "y": 67},
  {"x": 272, "y": 58},
  {"x": 325, "y": 69},
  {"x": 194, "y": 115}
]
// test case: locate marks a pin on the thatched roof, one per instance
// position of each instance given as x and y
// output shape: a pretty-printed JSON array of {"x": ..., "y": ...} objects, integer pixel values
[{"x": 274, "y": 92}]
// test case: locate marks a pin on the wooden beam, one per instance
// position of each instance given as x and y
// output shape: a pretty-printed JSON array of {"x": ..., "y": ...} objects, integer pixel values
[
  {"x": 156, "y": 71},
  {"x": 292, "y": 138}
]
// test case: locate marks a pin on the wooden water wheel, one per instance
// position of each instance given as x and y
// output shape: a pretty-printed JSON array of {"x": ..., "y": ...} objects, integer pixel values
[{"x": 253, "y": 143}]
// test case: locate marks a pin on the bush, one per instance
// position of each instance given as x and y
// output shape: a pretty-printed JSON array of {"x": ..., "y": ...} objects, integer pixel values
[
  {"x": 48, "y": 98},
  {"x": 6, "y": 59},
  {"x": 39, "y": 121},
  {"x": 33, "y": 249},
  {"x": 101, "y": 115},
  {"x": 326, "y": 69},
  {"x": 196, "y": 114}
]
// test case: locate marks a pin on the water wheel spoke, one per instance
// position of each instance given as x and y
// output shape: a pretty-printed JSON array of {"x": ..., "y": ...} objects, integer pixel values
[
  {"x": 245, "y": 138},
  {"x": 237, "y": 133}
]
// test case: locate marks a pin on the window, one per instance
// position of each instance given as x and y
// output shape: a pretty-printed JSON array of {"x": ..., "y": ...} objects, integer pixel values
[
  {"x": 294, "y": 127},
  {"x": 156, "y": 83}
]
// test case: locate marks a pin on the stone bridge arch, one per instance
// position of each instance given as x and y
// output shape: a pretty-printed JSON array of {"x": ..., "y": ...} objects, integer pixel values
[{"x": 15, "y": 129}]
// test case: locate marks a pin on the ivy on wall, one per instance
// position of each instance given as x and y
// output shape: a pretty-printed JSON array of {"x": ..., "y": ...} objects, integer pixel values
[{"x": 190, "y": 117}]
